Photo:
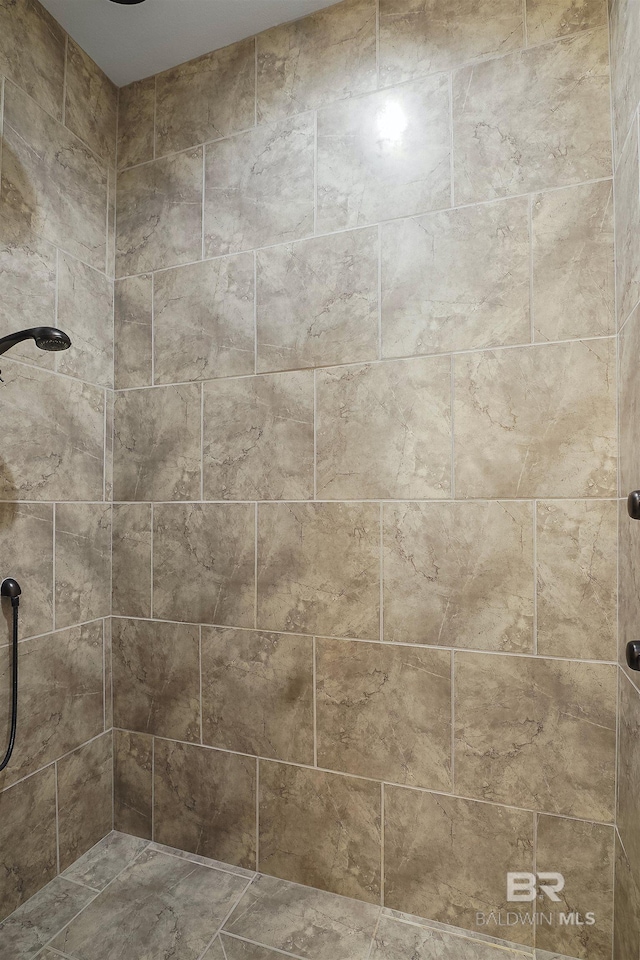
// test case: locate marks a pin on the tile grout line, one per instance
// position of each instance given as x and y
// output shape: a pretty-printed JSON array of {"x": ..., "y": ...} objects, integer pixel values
[
  {"x": 57, "y": 803},
  {"x": 381, "y": 571},
  {"x": 200, "y": 677},
  {"x": 382, "y": 843},
  {"x": 535, "y": 577},
  {"x": 255, "y": 568},
  {"x": 453, "y": 721},
  {"x": 153, "y": 789},
  {"x": 226, "y": 918},
  {"x": 257, "y": 814},
  {"x": 374, "y": 935},
  {"x": 314, "y": 670},
  {"x": 530, "y": 201}
]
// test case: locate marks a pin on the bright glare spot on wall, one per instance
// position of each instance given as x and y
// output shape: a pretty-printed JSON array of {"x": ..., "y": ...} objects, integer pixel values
[{"x": 392, "y": 122}]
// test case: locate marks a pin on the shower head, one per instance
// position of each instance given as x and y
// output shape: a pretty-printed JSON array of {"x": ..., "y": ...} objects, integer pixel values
[
  {"x": 46, "y": 338},
  {"x": 127, "y": 1}
]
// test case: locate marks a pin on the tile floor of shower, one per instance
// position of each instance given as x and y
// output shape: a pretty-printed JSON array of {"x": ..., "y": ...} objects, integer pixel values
[{"x": 129, "y": 899}]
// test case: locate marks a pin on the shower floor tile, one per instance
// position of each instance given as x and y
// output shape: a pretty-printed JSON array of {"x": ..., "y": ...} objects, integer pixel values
[{"x": 128, "y": 899}]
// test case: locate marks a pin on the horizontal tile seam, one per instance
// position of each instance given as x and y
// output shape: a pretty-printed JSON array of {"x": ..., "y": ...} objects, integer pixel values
[{"x": 62, "y": 756}]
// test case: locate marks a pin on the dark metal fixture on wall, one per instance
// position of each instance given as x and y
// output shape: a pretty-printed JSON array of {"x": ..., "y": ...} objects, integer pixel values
[{"x": 633, "y": 647}]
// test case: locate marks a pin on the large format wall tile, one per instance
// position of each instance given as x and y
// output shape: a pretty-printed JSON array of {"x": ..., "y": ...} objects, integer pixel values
[
  {"x": 203, "y": 320},
  {"x": 629, "y": 773},
  {"x": 157, "y": 444},
  {"x": 160, "y": 214},
  {"x": 384, "y": 430},
  {"x": 259, "y": 187},
  {"x": 85, "y": 798},
  {"x": 131, "y": 560},
  {"x": 319, "y": 568},
  {"x": 536, "y": 733},
  {"x": 133, "y": 336},
  {"x": 136, "y": 105},
  {"x": 384, "y": 155},
  {"x": 547, "y": 19},
  {"x": 61, "y": 697},
  {"x": 32, "y": 52},
  {"x": 156, "y": 678},
  {"x": 583, "y": 853},
  {"x": 258, "y": 438},
  {"x": 58, "y": 454},
  {"x": 206, "y": 98},
  {"x": 91, "y": 103},
  {"x": 456, "y": 280},
  {"x": 320, "y": 829},
  {"x": 536, "y": 421},
  {"x": 26, "y": 547},
  {"x": 132, "y": 783},
  {"x": 326, "y": 56},
  {"x": 573, "y": 276},
  {"x": 317, "y": 301},
  {"x": 51, "y": 181},
  {"x": 257, "y": 693},
  {"x": 627, "y": 217},
  {"x": 205, "y": 802},
  {"x": 85, "y": 313},
  {"x": 385, "y": 712},
  {"x": 27, "y": 839},
  {"x": 515, "y": 129},
  {"x": 447, "y": 858},
  {"x": 204, "y": 563},
  {"x": 625, "y": 69},
  {"x": 418, "y": 37},
  {"x": 576, "y": 548},
  {"x": 459, "y": 575},
  {"x": 83, "y": 562},
  {"x": 626, "y": 926}
]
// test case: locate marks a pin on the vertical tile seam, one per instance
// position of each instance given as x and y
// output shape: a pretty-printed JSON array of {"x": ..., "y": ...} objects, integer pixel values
[
  {"x": 255, "y": 567},
  {"x": 257, "y": 813},
  {"x": 315, "y": 173},
  {"x": 379, "y": 291},
  {"x": 255, "y": 312},
  {"x": 532, "y": 326},
  {"x": 64, "y": 81},
  {"x": 382, "y": 842},
  {"x": 153, "y": 788},
  {"x": 535, "y": 578},
  {"x": 452, "y": 745},
  {"x": 451, "y": 138},
  {"x": 204, "y": 184},
  {"x": 381, "y": 571},
  {"x": 377, "y": 2},
  {"x": 314, "y": 674},
  {"x": 152, "y": 551},
  {"x": 200, "y": 679},
  {"x": 57, "y": 803},
  {"x": 53, "y": 572},
  {"x": 201, "y": 441}
]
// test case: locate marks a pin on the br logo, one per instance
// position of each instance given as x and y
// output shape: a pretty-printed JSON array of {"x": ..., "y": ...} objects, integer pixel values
[{"x": 523, "y": 887}]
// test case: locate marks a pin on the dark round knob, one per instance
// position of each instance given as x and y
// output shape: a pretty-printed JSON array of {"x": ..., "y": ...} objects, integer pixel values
[
  {"x": 10, "y": 588},
  {"x": 633, "y": 654},
  {"x": 633, "y": 504}
]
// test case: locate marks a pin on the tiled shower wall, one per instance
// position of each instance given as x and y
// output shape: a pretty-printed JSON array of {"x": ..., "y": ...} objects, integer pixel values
[
  {"x": 57, "y": 165},
  {"x": 365, "y": 457}
]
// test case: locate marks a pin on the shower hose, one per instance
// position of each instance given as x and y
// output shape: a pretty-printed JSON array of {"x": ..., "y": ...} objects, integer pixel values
[{"x": 10, "y": 591}]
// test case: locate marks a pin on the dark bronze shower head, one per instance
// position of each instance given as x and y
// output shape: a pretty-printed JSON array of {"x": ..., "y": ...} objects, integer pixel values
[{"x": 46, "y": 338}]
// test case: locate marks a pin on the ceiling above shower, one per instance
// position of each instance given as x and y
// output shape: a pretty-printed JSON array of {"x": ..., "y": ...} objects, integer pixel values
[{"x": 132, "y": 42}]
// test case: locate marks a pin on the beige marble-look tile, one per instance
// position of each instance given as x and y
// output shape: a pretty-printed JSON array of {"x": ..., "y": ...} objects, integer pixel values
[
  {"x": 37, "y": 65},
  {"x": 83, "y": 562},
  {"x": 547, "y": 19},
  {"x": 51, "y": 182},
  {"x": 320, "y": 829},
  {"x": 626, "y": 923},
  {"x": 85, "y": 313},
  {"x": 33, "y": 924},
  {"x": 395, "y": 940},
  {"x": 323, "y": 57},
  {"x": 418, "y": 37},
  {"x": 104, "y": 861},
  {"x": 205, "y": 802},
  {"x": 573, "y": 270},
  {"x": 131, "y": 560},
  {"x": 629, "y": 581},
  {"x": 216, "y": 951},
  {"x": 61, "y": 697},
  {"x": 319, "y": 568},
  {"x": 59, "y": 451},
  {"x": 629, "y": 773},
  {"x": 536, "y": 421},
  {"x": 258, "y": 438},
  {"x": 627, "y": 218},
  {"x": 207, "y": 98},
  {"x": 159, "y": 214},
  {"x": 110, "y": 265},
  {"x": 576, "y": 547},
  {"x": 536, "y": 733},
  {"x": 302, "y": 921},
  {"x": 257, "y": 693},
  {"x": 459, "y": 575},
  {"x": 215, "y": 542},
  {"x": 384, "y": 430},
  {"x": 625, "y": 70},
  {"x": 533, "y": 119},
  {"x": 85, "y": 798},
  {"x": 629, "y": 402},
  {"x": 26, "y": 546},
  {"x": 456, "y": 280},
  {"x": 159, "y": 906},
  {"x": 384, "y": 712},
  {"x": 317, "y": 301},
  {"x": 157, "y": 444},
  {"x": 133, "y": 335},
  {"x": 132, "y": 783},
  {"x": 259, "y": 187},
  {"x": 447, "y": 858},
  {"x": 156, "y": 678},
  {"x": 91, "y": 102},
  {"x": 203, "y": 320},
  {"x": 384, "y": 155},
  {"x": 136, "y": 104},
  {"x": 27, "y": 838},
  {"x": 583, "y": 853}
]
